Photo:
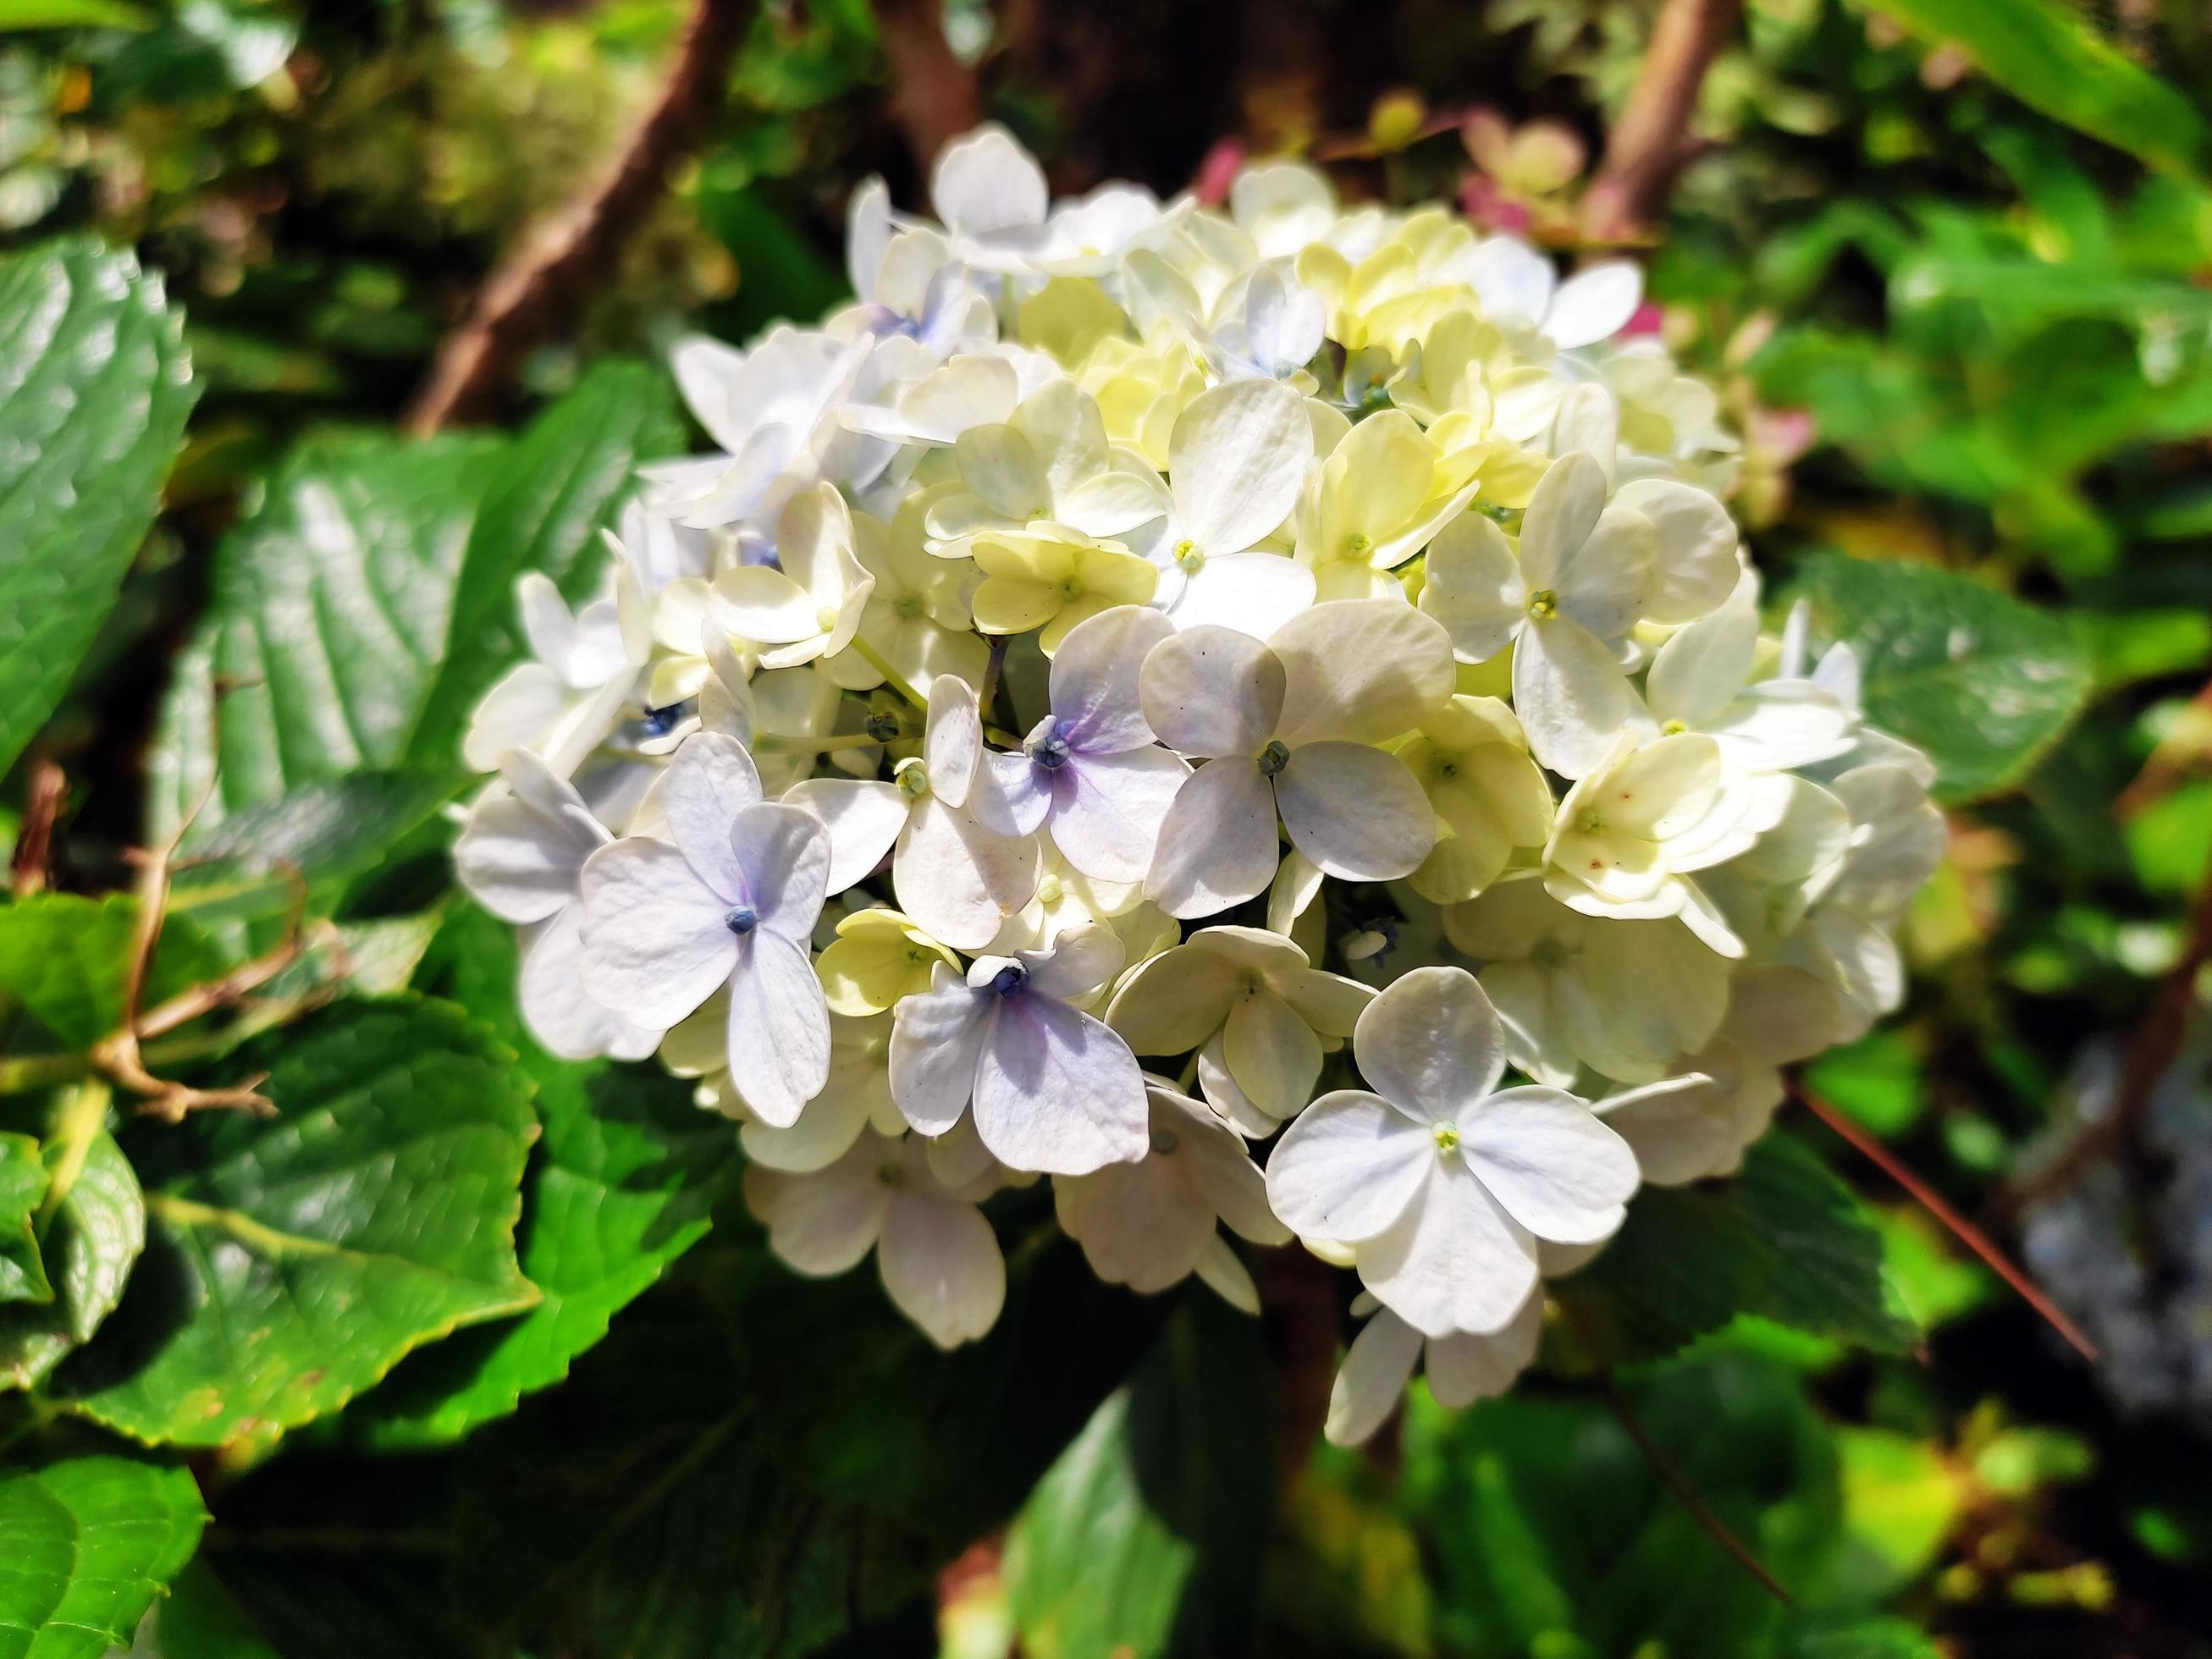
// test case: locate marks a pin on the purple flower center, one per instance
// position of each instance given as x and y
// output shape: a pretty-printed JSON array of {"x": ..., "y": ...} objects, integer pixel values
[
  {"x": 1010, "y": 978},
  {"x": 740, "y": 920},
  {"x": 1050, "y": 750}
]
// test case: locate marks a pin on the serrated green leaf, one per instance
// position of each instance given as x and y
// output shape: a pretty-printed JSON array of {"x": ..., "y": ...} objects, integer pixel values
[
  {"x": 92, "y": 1227},
  {"x": 621, "y": 1184},
  {"x": 292, "y": 1260},
  {"x": 1982, "y": 682},
  {"x": 22, "y": 1186},
  {"x": 1145, "y": 1537},
  {"x": 2051, "y": 58},
  {"x": 1784, "y": 1240},
  {"x": 86, "y": 1544},
  {"x": 65, "y": 958},
  {"x": 550, "y": 495},
  {"x": 94, "y": 390},
  {"x": 328, "y": 618}
]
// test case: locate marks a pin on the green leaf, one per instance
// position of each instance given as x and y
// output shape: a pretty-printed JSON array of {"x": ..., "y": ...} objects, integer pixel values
[
  {"x": 1784, "y": 1240},
  {"x": 64, "y": 958},
  {"x": 23, "y": 1185},
  {"x": 621, "y": 1185},
  {"x": 327, "y": 621},
  {"x": 292, "y": 1260},
  {"x": 2050, "y": 57},
  {"x": 93, "y": 1227},
  {"x": 94, "y": 390},
  {"x": 1982, "y": 682},
  {"x": 1145, "y": 1537},
  {"x": 86, "y": 1544},
  {"x": 550, "y": 493}
]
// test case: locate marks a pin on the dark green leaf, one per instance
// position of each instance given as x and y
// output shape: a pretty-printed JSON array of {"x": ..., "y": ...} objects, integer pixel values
[
  {"x": 94, "y": 390},
  {"x": 548, "y": 497},
  {"x": 1145, "y": 1537},
  {"x": 1784, "y": 1240},
  {"x": 86, "y": 1544},
  {"x": 23, "y": 1185},
  {"x": 292, "y": 1260},
  {"x": 94, "y": 1226},
  {"x": 2051, "y": 58},
  {"x": 328, "y": 620},
  {"x": 1982, "y": 682},
  {"x": 200, "y": 1620},
  {"x": 65, "y": 958}
]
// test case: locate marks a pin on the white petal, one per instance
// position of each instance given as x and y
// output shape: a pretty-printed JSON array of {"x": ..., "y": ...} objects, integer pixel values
[
  {"x": 1681, "y": 1130},
  {"x": 1454, "y": 1260},
  {"x": 517, "y": 863},
  {"x": 1696, "y": 567},
  {"x": 1474, "y": 587},
  {"x": 784, "y": 854},
  {"x": 1510, "y": 277},
  {"x": 1221, "y": 1271},
  {"x": 986, "y": 181},
  {"x": 1357, "y": 812},
  {"x": 1546, "y": 1157},
  {"x": 1218, "y": 845},
  {"x": 1699, "y": 672},
  {"x": 1605, "y": 583},
  {"x": 1431, "y": 1044},
  {"x": 825, "y": 1223},
  {"x": 1253, "y": 593},
  {"x": 1368, "y": 1384},
  {"x": 527, "y": 705},
  {"x": 1094, "y": 679},
  {"x": 757, "y": 603},
  {"x": 1570, "y": 696},
  {"x": 957, "y": 879},
  {"x": 709, "y": 783},
  {"x": 1174, "y": 1002},
  {"x": 779, "y": 1028},
  {"x": 1595, "y": 304},
  {"x": 1464, "y": 1368},
  {"x": 1057, "y": 1092},
  {"x": 1080, "y": 961},
  {"x": 1273, "y": 1055},
  {"x": 1363, "y": 669},
  {"x": 864, "y": 817},
  {"x": 1347, "y": 1167},
  {"x": 1562, "y": 511},
  {"x": 1107, "y": 809},
  {"x": 937, "y": 1039},
  {"x": 1212, "y": 691},
  {"x": 1223, "y": 1095},
  {"x": 655, "y": 944},
  {"x": 1011, "y": 795},
  {"x": 1138, "y": 1224},
  {"x": 559, "y": 1013},
  {"x": 1237, "y": 458},
  {"x": 941, "y": 1264},
  {"x": 951, "y": 738}
]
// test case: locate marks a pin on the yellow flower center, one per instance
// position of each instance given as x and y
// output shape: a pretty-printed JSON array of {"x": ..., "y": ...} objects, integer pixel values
[
  {"x": 826, "y": 618},
  {"x": 1447, "y": 1136},
  {"x": 1673, "y": 729},
  {"x": 1188, "y": 555},
  {"x": 1543, "y": 605}
]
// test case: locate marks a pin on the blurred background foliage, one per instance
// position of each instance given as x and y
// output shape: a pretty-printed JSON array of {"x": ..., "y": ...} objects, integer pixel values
[{"x": 1950, "y": 262}]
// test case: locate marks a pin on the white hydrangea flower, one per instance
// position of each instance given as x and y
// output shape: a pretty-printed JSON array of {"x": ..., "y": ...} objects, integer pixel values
[
  {"x": 1260, "y": 995},
  {"x": 1287, "y": 727},
  {"x": 1053, "y": 1089},
  {"x": 1151, "y": 1224},
  {"x": 1440, "y": 1183},
  {"x": 729, "y": 899},
  {"x": 1512, "y": 279},
  {"x": 584, "y": 671},
  {"x": 808, "y": 605},
  {"x": 1461, "y": 1367},
  {"x": 939, "y": 1261}
]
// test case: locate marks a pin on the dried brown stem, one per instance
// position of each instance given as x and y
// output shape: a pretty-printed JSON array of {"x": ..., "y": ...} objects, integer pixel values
[
  {"x": 1934, "y": 1203},
  {"x": 1651, "y": 141},
  {"x": 1687, "y": 1495},
  {"x": 934, "y": 97},
  {"x": 2170, "y": 762},
  {"x": 32, "y": 866},
  {"x": 2151, "y": 1053},
  {"x": 542, "y": 282}
]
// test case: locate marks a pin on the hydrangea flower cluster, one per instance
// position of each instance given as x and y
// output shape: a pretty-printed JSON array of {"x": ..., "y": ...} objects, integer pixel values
[{"x": 1179, "y": 703}]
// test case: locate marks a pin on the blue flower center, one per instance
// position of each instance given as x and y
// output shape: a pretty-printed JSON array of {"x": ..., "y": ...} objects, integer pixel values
[
  {"x": 660, "y": 723},
  {"x": 1048, "y": 750},
  {"x": 1010, "y": 978},
  {"x": 740, "y": 920}
]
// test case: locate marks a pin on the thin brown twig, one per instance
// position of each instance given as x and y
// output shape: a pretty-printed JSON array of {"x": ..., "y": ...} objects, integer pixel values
[
  {"x": 2151, "y": 1053},
  {"x": 540, "y": 285},
  {"x": 2170, "y": 760},
  {"x": 1687, "y": 1495},
  {"x": 934, "y": 97},
  {"x": 1934, "y": 1203},
  {"x": 31, "y": 869},
  {"x": 1650, "y": 141}
]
